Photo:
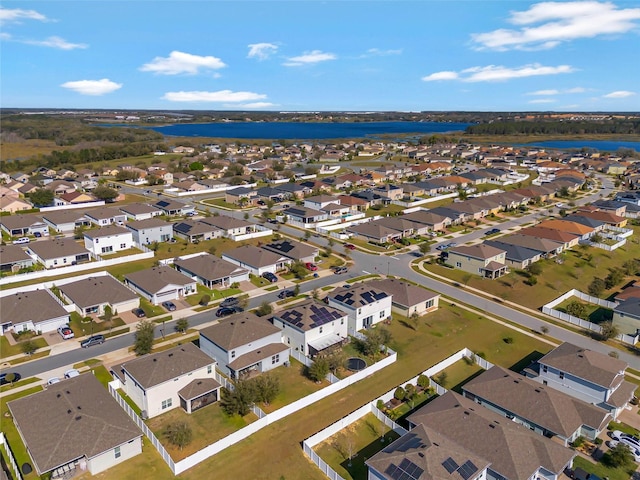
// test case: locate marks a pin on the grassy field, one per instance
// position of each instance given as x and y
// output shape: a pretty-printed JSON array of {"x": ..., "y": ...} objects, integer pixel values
[
  {"x": 27, "y": 148},
  {"x": 576, "y": 271}
]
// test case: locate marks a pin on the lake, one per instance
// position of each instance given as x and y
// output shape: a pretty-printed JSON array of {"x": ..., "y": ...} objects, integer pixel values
[
  {"x": 600, "y": 145},
  {"x": 307, "y": 131}
]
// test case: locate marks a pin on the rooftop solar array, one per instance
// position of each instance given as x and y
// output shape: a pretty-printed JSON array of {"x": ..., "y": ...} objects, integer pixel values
[
  {"x": 282, "y": 246},
  {"x": 450, "y": 465},
  {"x": 365, "y": 298},
  {"x": 320, "y": 315},
  {"x": 406, "y": 442},
  {"x": 407, "y": 470},
  {"x": 466, "y": 470}
]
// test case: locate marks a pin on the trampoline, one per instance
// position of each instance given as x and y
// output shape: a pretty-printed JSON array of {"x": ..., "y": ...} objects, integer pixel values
[{"x": 356, "y": 364}]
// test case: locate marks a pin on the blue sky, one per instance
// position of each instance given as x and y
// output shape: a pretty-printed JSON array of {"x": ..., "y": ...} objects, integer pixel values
[{"x": 302, "y": 55}]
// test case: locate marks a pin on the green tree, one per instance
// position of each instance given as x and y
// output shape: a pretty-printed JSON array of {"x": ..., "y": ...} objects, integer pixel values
[
  {"x": 615, "y": 276},
  {"x": 400, "y": 394},
  {"x": 179, "y": 434},
  {"x": 423, "y": 381},
  {"x": 105, "y": 193},
  {"x": 298, "y": 269},
  {"x": 441, "y": 379},
  {"x": 318, "y": 370},
  {"x": 631, "y": 267},
  {"x": 205, "y": 299},
  {"x": 577, "y": 309},
  {"x": 41, "y": 197},
  {"x": 28, "y": 347},
  {"x": 608, "y": 330},
  {"x": 10, "y": 377},
  {"x": 267, "y": 388},
  {"x": 425, "y": 248},
  {"x": 196, "y": 166},
  {"x": 619, "y": 457},
  {"x": 265, "y": 308},
  {"x": 144, "y": 337},
  {"x": 239, "y": 400},
  {"x": 296, "y": 289},
  {"x": 182, "y": 325},
  {"x": 597, "y": 287},
  {"x": 534, "y": 269}
]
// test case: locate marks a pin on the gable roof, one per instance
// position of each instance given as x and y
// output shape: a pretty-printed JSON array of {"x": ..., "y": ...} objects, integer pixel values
[
  {"x": 224, "y": 222},
  {"x": 96, "y": 291},
  {"x": 565, "y": 225},
  {"x": 13, "y": 222},
  {"x": 239, "y": 329},
  {"x": 586, "y": 364},
  {"x": 138, "y": 208},
  {"x": 309, "y": 314},
  {"x": 253, "y": 256},
  {"x": 515, "y": 253},
  {"x": 551, "y": 409},
  {"x": 35, "y": 305},
  {"x": 555, "y": 235},
  {"x": 403, "y": 293},
  {"x": 542, "y": 245},
  {"x": 57, "y": 247},
  {"x": 104, "y": 213},
  {"x": 480, "y": 251},
  {"x": 291, "y": 249},
  {"x": 70, "y": 420},
  {"x": 208, "y": 267},
  {"x": 156, "y": 368},
  {"x": 193, "y": 227},
  {"x": 356, "y": 296},
  {"x": 153, "y": 222},
  {"x": 155, "y": 279},
  {"x": 108, "y": 231},
  {"x": 513, "y": 450},
  {"x": 13, "y": 254}
]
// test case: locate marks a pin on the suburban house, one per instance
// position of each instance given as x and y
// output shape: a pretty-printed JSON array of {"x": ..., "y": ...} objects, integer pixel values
[
  {"x": 568, "y": 240},
  {"x": 159, "y": 284},
  {"x": 355, "y": 204},
  {"x": 150, "y": 230},
  {"x": 606, "y": 217},
  {"x": 106, "y": 216},
  {"x": 516, "y": 256},
  {"x": 211, "y": 271},
  {"x": 590, "y": 376},
  {"x": 626, "y": 316},
  {"x": 305, "y": 217},
  {"x": 311, "y": 327},
  {"x": 256, "y": 260},
  {"x": 75, "y": 425},
  {"x": 183, "y": 376},
  {"x": 140, "y": 211},
  {"x": 241, "y": 196},
  {"x": 13, "y": 258},
  {"x": 296, "y": 251},
  {"x": 292, "y": 190},
  {"x": 169, "y": 207},
  {"x": 35, "y": 310},
  {"x": 407, "y": 299},
  {"x": 93, "y": 294},
  {"x": 542, "y": 409},
  {"x": 547, "y": 248},
  {"x": 109, "y": 239},
  {"x": 508, "y": 451},
  {"x": 66, "y": 221},
  {"x": 195, "y": 231},
  {"x": 58, "y": 252},
  {"x": 583, "y": 231},
  {"x": 375, "y": 232},
  {"x": 243, "y": 344},
  {"x": 318, "y": 202},
  {"x": 483, "y": 260},
  {"x": 229, "y": 226},
  {"x": 432, "y": 221},
  {"x": 22, "y": 225},
  {"x": 59, "y": 187},
  {"x": 365, "y": 305},
  {"x": 13, "y": 204}
]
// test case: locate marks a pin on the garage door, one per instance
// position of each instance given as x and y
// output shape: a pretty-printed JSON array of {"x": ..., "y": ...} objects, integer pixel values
[{"x": 171, "y": 294}]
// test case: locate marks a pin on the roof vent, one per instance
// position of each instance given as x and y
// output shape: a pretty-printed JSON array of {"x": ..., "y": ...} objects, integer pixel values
[
  {"x": 171, "y": 354},
  {"x": 491, "y": 425},
  {"x": 78, "y": 418},
  {"x": 155, "y": 359},
  {"x": 537, "y": 390},
  {"x": 69, "y": 411},
  {"x": 79, "y": 407},
  {"x": 516, "y": 381},
  {"x": 58, "y": 395},
  {"x": 67, "y": 392},
  {"x": 466, "y": 413},
  {"x": 580, "y": 355},
  {"x": 421, "y": 454}
]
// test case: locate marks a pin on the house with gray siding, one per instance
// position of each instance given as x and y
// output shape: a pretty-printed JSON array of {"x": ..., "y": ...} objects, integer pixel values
[{"x": 150, "y": 230}]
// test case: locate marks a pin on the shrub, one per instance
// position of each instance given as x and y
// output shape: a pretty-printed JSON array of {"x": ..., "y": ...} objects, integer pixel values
[
  {"x": 318, "y": 370},
  {"x": 423, "y": 381},
  {"x": 532, "y": 280},
  {"x": 28, "y": 347},
  {"x": 182, "y": 325},
  {"x": 400, "y": 394},
  {"x": 265, "y": 308},
  {"x": 596, "y": 287},
  {"x": 205, "y": 299},
  {"x": 179, "y": 434}
]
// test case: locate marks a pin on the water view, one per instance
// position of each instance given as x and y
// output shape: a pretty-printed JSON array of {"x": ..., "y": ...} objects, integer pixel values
[{"x": 600, "y": 145}]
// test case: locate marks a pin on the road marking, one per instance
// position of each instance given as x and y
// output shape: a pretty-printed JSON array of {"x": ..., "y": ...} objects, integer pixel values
[{"x": 365, "y": 272}]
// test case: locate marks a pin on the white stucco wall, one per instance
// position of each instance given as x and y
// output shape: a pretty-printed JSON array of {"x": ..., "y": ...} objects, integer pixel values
[
  {"x": 119, "y": 242},
  {"x": 108, "y": 459}
]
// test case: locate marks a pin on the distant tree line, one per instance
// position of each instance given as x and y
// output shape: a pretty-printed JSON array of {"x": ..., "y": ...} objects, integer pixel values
[{"x": 622, "y": 127}]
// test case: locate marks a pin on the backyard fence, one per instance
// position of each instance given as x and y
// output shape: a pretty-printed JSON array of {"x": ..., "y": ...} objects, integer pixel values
[{"x": 8, "y": 455}]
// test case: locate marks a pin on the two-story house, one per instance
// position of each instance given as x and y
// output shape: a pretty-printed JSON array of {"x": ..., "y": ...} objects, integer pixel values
[
  {"x": 109, "y": 239},
  {"x": 150, "y": 230},
  {"x": 365, "y": 305},
  {"x": 483, "y": 260}
]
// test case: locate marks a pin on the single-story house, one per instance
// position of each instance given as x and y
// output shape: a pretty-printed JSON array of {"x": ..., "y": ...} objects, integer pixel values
[
  {"x": 432, "y": 221},
  {"x": 516, "y": 256},
  {"x": 35, "y": 310},
  {"x": 311, "y": 327},
  {"x": 308, "y": 217},
  {"x": 483, "y": 260},
  {"x": 407, "y": 299},
  {"x": 568, "y": 240},
  {"x": 230, "y": 226},
  {"x": 150, "y": 230},
  {"x": 106, "y": 216},
  {"x": 12, "y": 204},
  {"x": 318, "y": 202},
  {"x": 195, "y": 231},
  {"x": 93, "y": 294},
  {"x": 74, "y": 425},
  {"x": 241, "y": 196},
  {"x": 58, "y": 252},
  {"x": 159, "y": 284},
  {"x": 296, "y": 251},
  {"x": 170, "y": 207},
  {"x": 365, "y": 305},
  {"x": 564, "y": 225},
  {"x": 375, "y": 232},
  {"x": 256, "y": 260},
  {"x": 109, "y": 239},
  {"x": 21, "y": 225},
  {"x": 211, "y": 271},
  {"x": 66, "y": 221},
  {"x": 140, "y": 211},
  {"x": 547, "y": 248},
  {"x": 182, "y": 376},
  {"x": 13, "y": 258},
  {"x": 243, "y": 344}
]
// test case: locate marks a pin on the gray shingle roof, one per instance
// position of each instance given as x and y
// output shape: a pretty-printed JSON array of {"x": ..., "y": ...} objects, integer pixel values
[
  {"x": 239, "y": 329},
  {"x": 56, "y": 248},
  {"x": 155, "y": 279},
  {"x": 36, "y": 305},
  {"x": 107, "y": 231},
  {"x": 403, "y": 293},
  {"x": 309, "y": 314},
  {"x": 96, "y": 291},
  {"x": 12, "y": 254},
  {"x": 291, "y": 249},
  {"x": 208, "y": 267},
  {"x": 253, "y": 256}
]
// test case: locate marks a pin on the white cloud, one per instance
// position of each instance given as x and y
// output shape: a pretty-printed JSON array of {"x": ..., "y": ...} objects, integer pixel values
[
  {"x": 92, "y": 87},
  {"x": 544, "y": 92},
  {"x": 446, "y": 75},
  {"x": 619, "y": 94},
  {"x": 253, "y": 105},
  {"x": 56, "y": 42},
  {"x": 5, "y": 36},
  {"x": 547, "y": 24},
  {"x": 376, "y": 52},
  {"x": 558, "y": 92},
  {"x": 542, "y": 100},
  {"x": 262, "y": 51},
  {"x": 309, "y": 58},
  {"x": 15, "y": 15},
  {"x": 219, "y": 96},
  {"x": 180, "y": 62},
  {"x": 575, "y": 90},
  {"x": 496, "y": 73}
]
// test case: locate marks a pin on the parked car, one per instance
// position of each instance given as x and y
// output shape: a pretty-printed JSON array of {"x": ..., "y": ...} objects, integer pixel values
[
  {"x": 350, "y": 246},
  {"x": 270, "y": 276},
  {"x": 492, "y": 231},
  {"x": 631, "y": 445},
  {"x": 169, "y": 306},
  {"x": 53, "y": 380},
  {"x": 21, "y": 241},
  {"x": 37, "y": 234},
  {"x": 71, "y": 373},
  {"x": 93, "y": 340},
  {"x": 621, "y": 436},
  {"x": 4, "y": 381},
  {"x": 452, "y": 244},
  {"x": 340, "y": 270},
  {"x": 138, "y": 312},
  {"x": 311, "y": 266},
  {"x": 66, "y": 332},
  {"x": 230, "y": 302},
  {"x": 286, "y": 294},
  {"x": 225, "y": 311}
]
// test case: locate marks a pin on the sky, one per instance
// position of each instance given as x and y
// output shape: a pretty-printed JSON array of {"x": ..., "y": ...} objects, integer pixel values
[{"x": 429, "y": 55}]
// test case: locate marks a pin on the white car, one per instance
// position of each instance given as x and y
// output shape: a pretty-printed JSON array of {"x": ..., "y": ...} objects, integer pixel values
[
  {"x": 21, "y": 241},
  {"x": 71, "y": 373},
  {"x": 66, "y": 332},
  {"x": 53, "y": 380}
]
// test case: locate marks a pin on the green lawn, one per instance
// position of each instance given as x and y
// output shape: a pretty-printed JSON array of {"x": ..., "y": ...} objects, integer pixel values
[
  {"x": 122, "y": 253},
  {"x": 457, "y": 375},
  {"x": 7, "y": 350},
  {"x": 259, "y": 281},
  {"x": 215, "y": 295},
  {"x": 594, "y": 313},
  {"x": 209, "y": 424},
  {"x": 367, "y": 437},
  {"x": 219, "y": 202},
  {"x": 21, "y": 383},
  {"x": 601, "y": 470},
  {"x": 151, "y": 310},
  {"x": 80, "y": 328}
]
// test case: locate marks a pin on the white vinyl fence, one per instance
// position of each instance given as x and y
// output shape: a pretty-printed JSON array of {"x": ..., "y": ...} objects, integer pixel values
[{"x": 8, "y": 455}]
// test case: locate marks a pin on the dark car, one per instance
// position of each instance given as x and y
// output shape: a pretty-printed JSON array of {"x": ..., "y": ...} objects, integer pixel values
[
  {"x": 270, "y": 276},
  {"x": 138, "y": 312},
  {"x": 492, "y": 231},
  {"x": 93, "y": 340},
  {"x": 339, "y": 270},
  {"x": 230, "y": 302},
  {"x": 286, "y": 293},
  {"x": 4, "y": 381},
  {"x": 169, "y": 306},
  {"x": 350, "y": 246},
  {"x": 225, "y": 311}
]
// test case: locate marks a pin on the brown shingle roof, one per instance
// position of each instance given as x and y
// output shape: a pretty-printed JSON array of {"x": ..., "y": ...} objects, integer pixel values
[
  {"x": 96, "y": 291},
  {"x": 239, "y": 329},
  {"x": 70, "y": 420},
  {"x": 480, "y": 251},
  {"x": 208, "y": 267},
  {"x": 403, "y": 293},
  {"x": 253, "y": 256},
  {"x": 36, "y": 305},
  {"x": 56, "y": 248},
  {"x": 154, "y": 279},
  {"x": 12, "y": 254},
  {"x": 198, "y": 387},
  {"x": 257, "y": 355}
]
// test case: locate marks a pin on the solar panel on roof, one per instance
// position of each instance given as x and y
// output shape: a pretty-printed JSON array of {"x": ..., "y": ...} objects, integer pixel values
[
  {"x": 467, "y": 469},
  {"x": 450, "y": 465}
]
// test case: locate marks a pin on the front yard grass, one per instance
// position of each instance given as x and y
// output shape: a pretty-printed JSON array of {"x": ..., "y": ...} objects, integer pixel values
[
  {"x": 8, "y": 350},
  {"x": 151, "y": 310},
  {"x": 81, "y": 328},
  {"x": 209, "y": 424},
  {"x": 601, "y": 470},
  {"x": 367, "y": 435},
  {"x": 259, "y": 281}
]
